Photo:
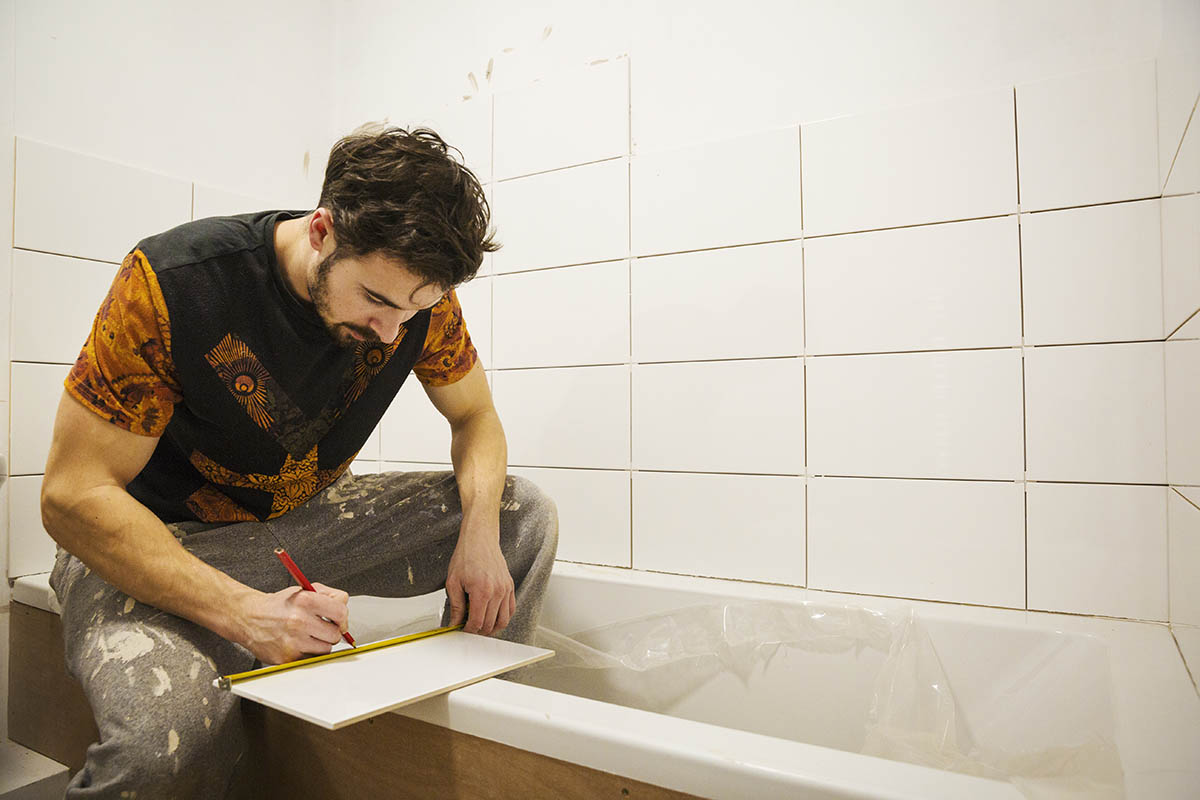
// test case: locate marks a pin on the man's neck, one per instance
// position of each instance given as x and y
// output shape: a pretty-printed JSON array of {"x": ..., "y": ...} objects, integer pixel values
[{"x": 292, "y": 253}]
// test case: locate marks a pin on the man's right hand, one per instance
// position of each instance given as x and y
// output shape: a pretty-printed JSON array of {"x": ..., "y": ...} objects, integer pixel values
[{"x": 288, "y": 624}]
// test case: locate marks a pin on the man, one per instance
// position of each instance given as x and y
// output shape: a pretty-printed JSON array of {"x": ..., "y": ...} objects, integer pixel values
[{"x": 233, "y": 372}]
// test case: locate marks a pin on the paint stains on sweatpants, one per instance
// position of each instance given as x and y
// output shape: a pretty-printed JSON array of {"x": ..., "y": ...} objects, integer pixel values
[{"x": 165, "y": 731}]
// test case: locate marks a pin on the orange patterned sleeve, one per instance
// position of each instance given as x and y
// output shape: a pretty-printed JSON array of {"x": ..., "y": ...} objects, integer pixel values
[
  {"x": 448, "y": 355},
  {"x": 125, "y": 373}
]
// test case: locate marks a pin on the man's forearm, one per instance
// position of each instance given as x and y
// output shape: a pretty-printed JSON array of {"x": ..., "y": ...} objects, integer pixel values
[
  {"x": 480, "y": 455},
  {"x": 122, "y": 541}
]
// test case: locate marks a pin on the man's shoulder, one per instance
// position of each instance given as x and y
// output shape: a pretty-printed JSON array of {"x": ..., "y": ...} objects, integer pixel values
[{"x": 208, "y": 240}]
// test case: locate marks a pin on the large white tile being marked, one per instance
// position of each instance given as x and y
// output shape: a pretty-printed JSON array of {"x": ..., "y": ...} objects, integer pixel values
[{"x": 345, "y": 690}]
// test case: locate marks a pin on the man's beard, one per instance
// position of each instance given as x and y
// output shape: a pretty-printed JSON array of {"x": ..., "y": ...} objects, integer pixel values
[{"x": 340, "y": 332}]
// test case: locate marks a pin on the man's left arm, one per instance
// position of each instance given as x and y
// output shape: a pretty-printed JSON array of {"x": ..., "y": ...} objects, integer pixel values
[{"x": 477, "y": 570}]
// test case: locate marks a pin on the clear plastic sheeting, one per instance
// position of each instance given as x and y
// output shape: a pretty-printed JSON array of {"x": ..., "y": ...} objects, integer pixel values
[{"x": 882, "y": 670}]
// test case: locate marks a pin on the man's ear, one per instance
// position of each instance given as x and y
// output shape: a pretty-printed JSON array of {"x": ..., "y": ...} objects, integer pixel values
[{"x": 320, "y": 229}]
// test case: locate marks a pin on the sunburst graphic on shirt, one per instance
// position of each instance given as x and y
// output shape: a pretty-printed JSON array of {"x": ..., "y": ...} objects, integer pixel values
[
  {"x": 369, "y": 360},
  {"x": 245, "y": 377},
  {"x": 269, "y": 406}
]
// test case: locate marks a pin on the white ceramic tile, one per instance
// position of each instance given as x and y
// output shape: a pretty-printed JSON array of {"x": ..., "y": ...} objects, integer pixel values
[
  {"x": 1190, "y": 492},
  {"x": 689, "y": 306},
  {"x": 1095, "y": 413},
  {"x": 1093, "y": 274},
  {"x": 1178, "y": 87},
  {"x": 6, "y": 270},
  {"x": 1183, "y": 524},
  {"x": 732, "y": 192},
  {"x": 412, "y": 429},
  {"x": 4, "y": 462},
  {"x": 363, "y": 467},
  {"x": 30, "y": 548},
  {"x": 342, "y": 691},
  {"x": 1185, "y": 172},
  {"x": 77, "y": 205},
  {"x": 370, "y": 449},
  {"x": 936, "y": 540},
  {"x": 475, "y": 297},
  {"x": 748, "y": 527},
  {"x": 49, "y": 324},
  {"x": 1098, "y": 549},
  {"x": 573, "y": 119},
  {"x": 918, "y": 415},
  {"x": 1190, "y": 329},
  {"x": 467, "y": 126},
  {"x": 210, "y": 201},
  {"x": 1180, "y": 260},
  {"x": 1183, "y": 411},
  {"x": 5, "y": 591},
  {"x": 952, "y": 159},
  {"x": 571, "y": 216},
  {"x": 36, "y": 391},
  {"x": 561, "y": 317},
  {"x": 1189, "y": 646},
  {"x": 1088, "y": 138},
  {"x": 720, "y": 416},
  {"x": 930, "y": 287},
  {"x": 565, "y": 417},
  {"x": 593, "y": 512}
]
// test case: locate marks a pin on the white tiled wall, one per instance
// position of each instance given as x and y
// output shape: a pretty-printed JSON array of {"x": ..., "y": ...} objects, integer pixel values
[
  {"x": 1088, "y": 138},
  {"x": 860, "y": 386},
  {"x": 881, "y": 384},
  {"x": 940, "y": 161}
]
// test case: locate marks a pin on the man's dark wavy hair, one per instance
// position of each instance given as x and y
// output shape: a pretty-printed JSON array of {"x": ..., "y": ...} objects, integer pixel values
[{"x": 402, "y": 194}]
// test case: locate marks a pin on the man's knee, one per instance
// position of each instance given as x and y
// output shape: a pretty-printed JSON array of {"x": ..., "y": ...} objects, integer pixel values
[{"x": 531, "y": 509}]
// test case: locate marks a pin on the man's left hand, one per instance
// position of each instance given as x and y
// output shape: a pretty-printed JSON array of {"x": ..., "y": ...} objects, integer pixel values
[{"x": 479, "y": 572}]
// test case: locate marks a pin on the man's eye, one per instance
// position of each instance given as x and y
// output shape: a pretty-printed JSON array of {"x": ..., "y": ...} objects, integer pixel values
[{"x": 372, "y": 298}]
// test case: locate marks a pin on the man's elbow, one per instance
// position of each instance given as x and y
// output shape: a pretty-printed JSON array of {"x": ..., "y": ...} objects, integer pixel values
[{"x": 56, "y": 506}]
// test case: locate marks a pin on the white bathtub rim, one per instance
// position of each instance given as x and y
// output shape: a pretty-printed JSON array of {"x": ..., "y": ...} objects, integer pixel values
[{"x": 714, "y": 762}]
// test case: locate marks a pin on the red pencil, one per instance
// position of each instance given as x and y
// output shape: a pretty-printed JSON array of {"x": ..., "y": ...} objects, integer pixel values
[{"x": 303, "y": 581}]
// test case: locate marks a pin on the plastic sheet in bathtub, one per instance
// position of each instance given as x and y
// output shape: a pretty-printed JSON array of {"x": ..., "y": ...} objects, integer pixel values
[{"x": 655, "y": 662}]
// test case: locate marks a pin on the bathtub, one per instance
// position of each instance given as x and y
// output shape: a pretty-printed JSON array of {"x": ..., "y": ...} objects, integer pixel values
[{"x": 795, "y": 726}]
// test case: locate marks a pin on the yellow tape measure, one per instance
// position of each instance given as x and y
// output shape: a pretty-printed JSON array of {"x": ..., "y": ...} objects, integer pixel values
[{"x": 225, "y": 681}]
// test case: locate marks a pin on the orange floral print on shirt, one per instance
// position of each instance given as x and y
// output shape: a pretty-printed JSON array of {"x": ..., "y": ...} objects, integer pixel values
[
  {"x": 124, "y": 372},
  {"x": 448, "y": 355}
]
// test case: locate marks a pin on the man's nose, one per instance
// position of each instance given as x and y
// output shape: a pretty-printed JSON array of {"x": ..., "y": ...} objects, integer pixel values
[{"x": 387, "y": 326}]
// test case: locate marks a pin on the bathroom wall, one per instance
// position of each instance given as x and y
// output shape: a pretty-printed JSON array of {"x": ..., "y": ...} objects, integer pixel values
[
  {"x": 868, "y": 298},
  {"x": 865, "y": 298}
]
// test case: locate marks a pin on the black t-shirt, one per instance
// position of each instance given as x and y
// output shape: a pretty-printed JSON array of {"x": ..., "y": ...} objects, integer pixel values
[{"x": 201, "y": 342}]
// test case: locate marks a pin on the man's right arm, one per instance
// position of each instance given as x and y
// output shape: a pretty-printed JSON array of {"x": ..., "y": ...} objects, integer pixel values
[{"x": 87, "y": 510}]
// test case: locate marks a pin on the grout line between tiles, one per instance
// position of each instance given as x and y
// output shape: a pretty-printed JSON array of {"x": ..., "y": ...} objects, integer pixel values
[
  {"x": 995, "y": 348},
  {"x": 1183, "y": 658},
  {"x": 1180, "y": 325},
  {"x": 1017, "y": 148},
  {"x": 1025, "y": 497},
  {"x": 555, "y": 169},
  {"x": 68, "y": 255},
  {"x": 1182, "y": 137},
  {"x": 1186, "y": 499},
  {"x": 1081, "y": 206},
  {"x": 907, "y": 598}
]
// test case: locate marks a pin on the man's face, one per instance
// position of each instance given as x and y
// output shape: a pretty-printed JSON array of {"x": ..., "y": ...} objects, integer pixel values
[{"x": 368, "y": 298}]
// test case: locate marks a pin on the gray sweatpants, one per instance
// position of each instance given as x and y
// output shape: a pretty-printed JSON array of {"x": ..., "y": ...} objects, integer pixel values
[{"x": 165, "y": 731}]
